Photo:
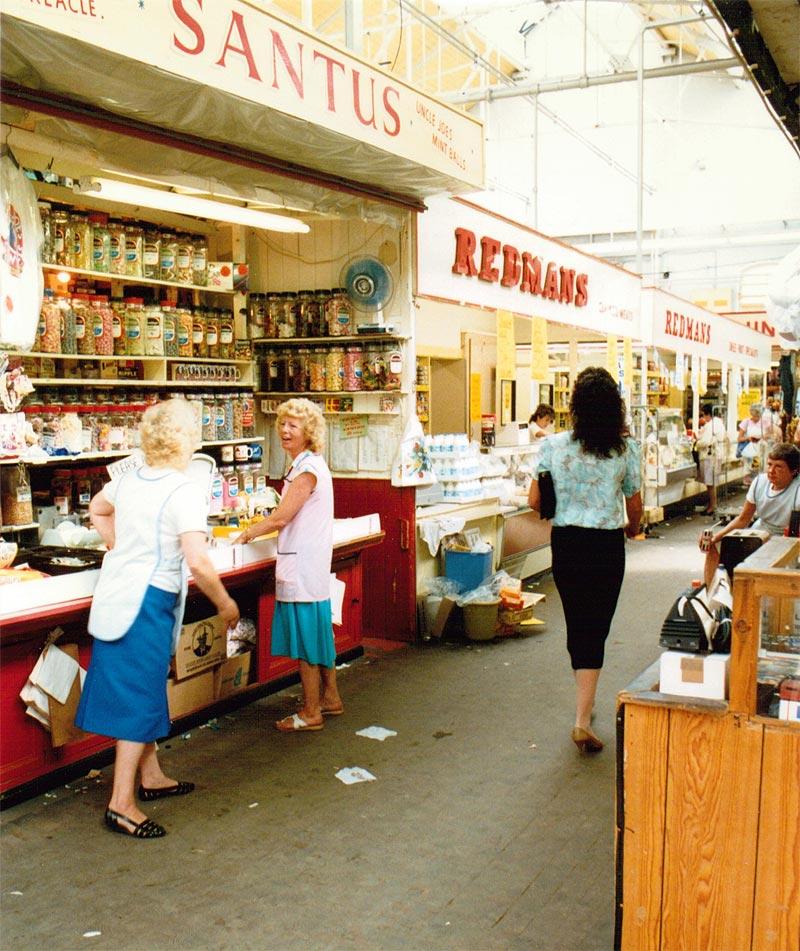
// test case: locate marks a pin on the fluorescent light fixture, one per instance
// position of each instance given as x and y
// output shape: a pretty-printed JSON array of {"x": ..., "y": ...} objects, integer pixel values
[{"x": 127, "y": 194}]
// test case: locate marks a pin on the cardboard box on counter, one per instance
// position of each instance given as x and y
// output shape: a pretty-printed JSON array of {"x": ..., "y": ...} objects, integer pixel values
[
  {"x": 232, "y": 675},
  {"x": 694, "y": 675},
  {"x": 186, "y": 696},
  {"x": 202, "y": 644}
]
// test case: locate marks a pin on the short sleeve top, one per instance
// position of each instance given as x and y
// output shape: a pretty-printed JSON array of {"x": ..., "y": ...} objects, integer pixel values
[
  {"x": 589, "y": 488},
  {"x": 305, "y": 545},
  {"x": 773, "y": 507}
]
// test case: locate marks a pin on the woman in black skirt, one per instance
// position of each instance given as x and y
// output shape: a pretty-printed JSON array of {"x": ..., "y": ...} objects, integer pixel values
[{"x": 593, "y": 467}]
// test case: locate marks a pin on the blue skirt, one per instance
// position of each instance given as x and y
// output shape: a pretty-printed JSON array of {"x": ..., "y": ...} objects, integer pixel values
[
  {"x": 303, "y": 630},
  {"x": 125, "y": 692}
]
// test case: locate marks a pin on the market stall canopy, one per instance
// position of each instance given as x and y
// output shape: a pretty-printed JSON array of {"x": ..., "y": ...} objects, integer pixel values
[
  {"x": 233, "y": 83},
  {"x": 672, "y": 323}
]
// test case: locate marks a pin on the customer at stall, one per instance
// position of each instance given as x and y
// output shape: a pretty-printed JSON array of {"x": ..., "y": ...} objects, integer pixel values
[
  {"x": 301, "y": 624},
  {"x": 771, "y": 498},
  {"x": 753, "y": 432},
  {"x": 710, "y": 446},
  {"x": 541, "y": 422},
  {"x": 593, "y": 466},
  {"x": 153, "y": 521}
]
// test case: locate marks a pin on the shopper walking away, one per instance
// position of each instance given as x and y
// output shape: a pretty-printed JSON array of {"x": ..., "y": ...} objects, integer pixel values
[
  {"x": 301, "y": 625},
  {"x": 771, "y": 498},
  {"x": 593, "y": 467},
  {"x": 153, "y": 521},
  {"x": 710, "y": 445}
]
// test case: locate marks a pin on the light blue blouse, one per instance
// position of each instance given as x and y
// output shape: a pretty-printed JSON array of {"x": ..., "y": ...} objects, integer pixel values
[{"x": 589, "y": 488}]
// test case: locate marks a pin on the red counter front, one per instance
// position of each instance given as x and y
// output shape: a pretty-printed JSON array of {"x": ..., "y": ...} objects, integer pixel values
[{"x": 26, "y": 753}]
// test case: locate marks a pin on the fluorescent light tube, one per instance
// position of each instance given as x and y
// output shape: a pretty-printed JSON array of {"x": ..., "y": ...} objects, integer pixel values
[{"x": 127, "y": 194}]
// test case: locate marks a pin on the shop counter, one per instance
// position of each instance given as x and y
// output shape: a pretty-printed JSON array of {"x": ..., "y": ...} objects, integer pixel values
[
  {"x": 708, "y": 795},
  {"x": 28, "y": 761}
]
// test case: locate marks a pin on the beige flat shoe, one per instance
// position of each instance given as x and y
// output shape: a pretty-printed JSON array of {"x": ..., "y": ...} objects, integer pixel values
[{"x": 586, "y": 741}]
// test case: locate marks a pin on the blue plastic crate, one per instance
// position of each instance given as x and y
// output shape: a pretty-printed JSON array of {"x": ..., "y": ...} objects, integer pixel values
[{"x": 469, "y": 568}]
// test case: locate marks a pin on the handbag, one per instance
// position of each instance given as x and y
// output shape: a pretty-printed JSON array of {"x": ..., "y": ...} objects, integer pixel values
[{"x": 547, "y": 495}]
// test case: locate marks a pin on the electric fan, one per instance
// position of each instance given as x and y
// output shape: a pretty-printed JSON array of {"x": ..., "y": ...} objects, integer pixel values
[{"x": 369, "y": 286}]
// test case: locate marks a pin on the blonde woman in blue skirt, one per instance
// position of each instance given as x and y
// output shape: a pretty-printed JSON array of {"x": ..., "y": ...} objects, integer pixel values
[
  {"x": 301, "y": 625},
  {"x": 153, "y": 521}
]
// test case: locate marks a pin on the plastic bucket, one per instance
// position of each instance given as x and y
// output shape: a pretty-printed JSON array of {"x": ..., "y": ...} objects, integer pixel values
[
  {"x": 480, "y": 619},
  {"x": 469, "y": 568}
]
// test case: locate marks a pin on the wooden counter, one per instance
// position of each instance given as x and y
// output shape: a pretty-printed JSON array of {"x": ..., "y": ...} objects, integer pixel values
[
  {"x": 708, "y": 805},
  {"x": 29, "y": 763}
]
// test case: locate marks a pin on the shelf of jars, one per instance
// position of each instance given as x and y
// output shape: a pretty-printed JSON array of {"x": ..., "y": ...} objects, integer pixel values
[
  {"x": 149, "y": 384},
  {"x": 307, "y": 341},
  {"x": 113, "y": 453},
  {"x": 109, "y": 277},
  {"x": 312, "y": 394}
]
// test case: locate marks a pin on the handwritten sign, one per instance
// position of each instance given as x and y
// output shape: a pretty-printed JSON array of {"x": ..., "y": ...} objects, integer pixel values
[
  {"x": 353, "y": 426},
  {"x": 539, "y": 365},
  {"x": 134, "y": 461},
  {"x": 506, "y": 351}
]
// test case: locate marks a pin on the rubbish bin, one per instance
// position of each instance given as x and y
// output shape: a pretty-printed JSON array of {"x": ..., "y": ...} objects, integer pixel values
[{"x": 469, "y": 568}]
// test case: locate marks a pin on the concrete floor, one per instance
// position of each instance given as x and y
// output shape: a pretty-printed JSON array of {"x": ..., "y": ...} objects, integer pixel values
[{"x": 485, "y": 828}]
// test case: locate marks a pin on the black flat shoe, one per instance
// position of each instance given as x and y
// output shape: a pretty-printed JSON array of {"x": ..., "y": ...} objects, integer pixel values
[
  {"x": 179, "y": 789},
  {"x": 149, "y": 829}
]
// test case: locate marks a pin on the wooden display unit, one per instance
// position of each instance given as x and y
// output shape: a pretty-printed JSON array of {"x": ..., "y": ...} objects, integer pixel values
[{"x": 708, "y": 810}]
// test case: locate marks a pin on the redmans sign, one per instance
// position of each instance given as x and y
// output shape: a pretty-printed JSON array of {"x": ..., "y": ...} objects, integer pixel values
[{"x": 525, "y": 271}]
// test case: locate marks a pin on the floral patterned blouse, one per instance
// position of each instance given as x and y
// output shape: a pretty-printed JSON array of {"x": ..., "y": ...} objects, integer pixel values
[{"x": 589, "y": 489}]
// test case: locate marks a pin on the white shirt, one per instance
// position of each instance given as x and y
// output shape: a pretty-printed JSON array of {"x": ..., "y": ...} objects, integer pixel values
[
  {"x": 305, "y": 545},
  {"x": 773, "y": 506},
  {"x": 711, "y": 437},
  {"x": 152, "y": 509}
]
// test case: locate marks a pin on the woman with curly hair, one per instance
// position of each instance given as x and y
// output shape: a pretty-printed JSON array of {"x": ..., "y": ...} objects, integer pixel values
[
  {"x": 301, "y": 624},
  {"x": 593, "y": 466},
  {"x": 153, "y": 521}
]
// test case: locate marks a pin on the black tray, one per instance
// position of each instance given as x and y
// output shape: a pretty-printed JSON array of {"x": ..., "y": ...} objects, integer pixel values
[{"x": 42, "y": 559}]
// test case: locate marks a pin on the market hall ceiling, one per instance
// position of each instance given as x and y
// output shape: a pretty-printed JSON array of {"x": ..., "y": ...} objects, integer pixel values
[{"x": 768, "y": 34}]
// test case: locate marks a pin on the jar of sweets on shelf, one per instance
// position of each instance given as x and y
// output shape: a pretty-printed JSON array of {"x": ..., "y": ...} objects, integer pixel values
[
  {"x": 334, "y": 369},
  {"x": 151, "y": 254},
  {"x": 134, "y": 250},
  {"x": 135, "y": 327},
  {"x": 116, "y": 238},
  {"x": 62, "y": 237},
  {"x": 199, "y": 260},
  {"x": 83, "y": 324},
  {"x": 170, "y": 319},
  {"x": 102, "y": 325},
  {"x": 184, "y": 262},
  {"x": 101, "y": 242},
  {"x": 353, "y": 368},
  {"x": 154, "y": 338},
  {"x": 199, "y": 346},
  {"x": 80, "y": 250},
  {"x": 339, "y": 313},
  {"x": 226, "y": 341}
]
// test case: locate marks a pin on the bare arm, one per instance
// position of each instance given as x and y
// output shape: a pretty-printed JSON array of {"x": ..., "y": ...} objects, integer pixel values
[
  {"x": 633, "y": 508},
  {"x": 293, "y": 500},
  {"x": 102, "y": 515},
  {"x": 194, "y": 548},
  {"x": 534, "y": 496},
  {"x": 742, "y": 520}
]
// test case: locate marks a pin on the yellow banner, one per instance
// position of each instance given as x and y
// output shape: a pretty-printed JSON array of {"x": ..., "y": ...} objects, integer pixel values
[
  {"x": 746, "y": 400},
  {"x": 627, "y": 361},
  {"x": 703, "y": 375},
  {"x": 506, "y": 353},
  {"x": 612, "y": 357},
  {"x": 539, "y": 365},
  {"x": 474, "y": 397}
]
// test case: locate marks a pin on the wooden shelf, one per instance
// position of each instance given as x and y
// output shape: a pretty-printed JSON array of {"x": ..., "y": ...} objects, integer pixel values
[
  {"x": 160, "y": 384},
  {"x": 108, "y": 278},
  {"x": 309, "y": 394},
  {"x": 308, "y": 341},
  {"x": 121, "y": 358},
  {"x": 18, "y": 528}
]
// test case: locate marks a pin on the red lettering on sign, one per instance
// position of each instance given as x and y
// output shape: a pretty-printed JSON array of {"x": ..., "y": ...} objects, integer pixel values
[
  {"x": 237, "y": 21},
  {"x": 296, "y": 77},
  {"x": 581, "y": 290},
  {"x": 550, "y": 291},
  {"x": 531, "y": 274},
  {"x": 193, "y": 25},
  {"x": 567, "y": 287},
  {"x": 329, "y": 64},
  {"x": 489, "y": 250},
  {"x": 511, "y": 266},
  {"x": 391, "y": 110},
  {"x": 357, "y": 100},
  {"x": 465, "y": 249}
]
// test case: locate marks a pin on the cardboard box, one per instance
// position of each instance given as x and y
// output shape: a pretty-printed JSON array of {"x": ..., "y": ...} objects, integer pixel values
[
  {"x": 186, "y": 696},
  {"x": 232, "y": 675},
  {"x": 202, "y": 644},
  {"x": 694, "y": 675}
]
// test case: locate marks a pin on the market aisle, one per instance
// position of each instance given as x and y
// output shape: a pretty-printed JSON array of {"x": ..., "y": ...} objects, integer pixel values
[{"x": 484, "y": 829}]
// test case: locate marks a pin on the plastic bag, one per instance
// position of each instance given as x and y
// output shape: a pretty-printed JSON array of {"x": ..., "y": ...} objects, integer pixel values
[
  {"x": 442, "y": 587},
  {"x": 242, "y": 637},
  {"x": 412, "y": 464},
  {"x": 489, "y": 590},
  {"x": 750, "y": 451}
]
